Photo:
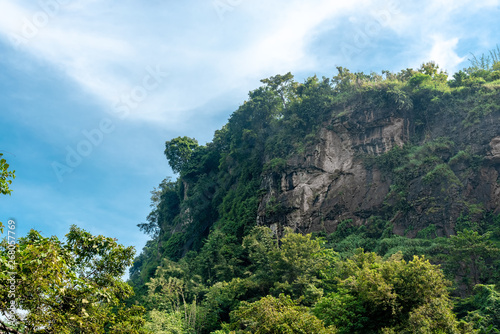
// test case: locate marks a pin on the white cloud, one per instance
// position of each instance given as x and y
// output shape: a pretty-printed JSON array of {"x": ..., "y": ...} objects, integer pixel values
[
  {"x": 198, "y": 72},
  {"x": 105, "y": 48},
  {"x": 443, "y": 53},
  {"x": 282, "y": 47},
  {"x": 433, "y": 30}
]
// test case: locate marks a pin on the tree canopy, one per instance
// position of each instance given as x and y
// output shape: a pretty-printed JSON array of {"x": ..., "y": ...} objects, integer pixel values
[
  {"x": 74, "y": 286},
  {"x": 6, "y": 176},
  {"x": 178, "y": 151}
]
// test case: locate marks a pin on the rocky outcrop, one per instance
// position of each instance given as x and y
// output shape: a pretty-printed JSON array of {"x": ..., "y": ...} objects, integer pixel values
[
  {"x": 494, "y": 153},
  {"x": 330, "y": 183}
]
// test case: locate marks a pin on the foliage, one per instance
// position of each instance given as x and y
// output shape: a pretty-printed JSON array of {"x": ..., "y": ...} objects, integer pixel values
[
  {"x": 165, "y": 203},
  {"x": 178, "y": 152},
  {"x": 209, "y": 268},
  {"x": 486, "y": 302},
  {"x": 276, "y": 316},
  {"x": 342, "y": 310},
  {"x": 473, "y": 252},
  {"x": 362, "y": 293},
  {"x": 397, "y": 294},
  {"x": 162, "y": 322},
  {"x": 5, "y": 176},
  {"x": 275, "y": 165},
  {"x": 224, "y": 266},
  {"x": 485, "y": 62},
  {"x": 283, "y": 85},
  {"x": 67, "y": 287}
]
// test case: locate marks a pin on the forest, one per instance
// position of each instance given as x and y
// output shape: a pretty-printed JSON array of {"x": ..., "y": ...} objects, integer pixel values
[{"x": 416, "y": 251}]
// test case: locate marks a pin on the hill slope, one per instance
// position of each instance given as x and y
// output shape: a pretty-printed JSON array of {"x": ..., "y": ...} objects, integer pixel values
[{"x": 388, "y": 163}]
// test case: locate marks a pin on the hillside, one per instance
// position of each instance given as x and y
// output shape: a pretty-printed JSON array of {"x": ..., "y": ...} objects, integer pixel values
[{"x": 399, "y": 164}]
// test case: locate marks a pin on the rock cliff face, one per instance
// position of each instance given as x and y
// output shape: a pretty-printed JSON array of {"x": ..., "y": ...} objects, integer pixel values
[{"x": 331, "y": 182}]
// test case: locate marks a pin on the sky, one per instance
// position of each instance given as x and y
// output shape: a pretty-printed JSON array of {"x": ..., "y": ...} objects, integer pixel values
[{"x": 90, "y": 90}]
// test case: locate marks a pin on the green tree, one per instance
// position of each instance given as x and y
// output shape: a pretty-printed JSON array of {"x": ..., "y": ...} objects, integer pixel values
[
  {"x": 400, "y": 296},
  {"x": 344, "y": 80},
  {"x": 222, "y": 298},
  {"x": 178, "y": 151},
  {"x": 342, "y": 310},
  {"x": 486, "y": 302},
  {"x": 284, "y": 86},
  {"x": 471, "y": 250},
  {"x": 172, "y": 292},
  {"x": 165, "y": 204},
  {"x": 66, "y": 287},
  {"x": 485, "y": 62},
  {"x": 259, "y": 244},
  {"x": 280, "y": 315},
  {"x": 296, "y": 266},
  {"x": 163, "y": 322},
  {"x": 6, "y": 177}
]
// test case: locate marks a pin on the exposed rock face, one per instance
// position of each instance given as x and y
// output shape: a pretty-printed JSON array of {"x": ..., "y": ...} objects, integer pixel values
[
  {"x": 330, "y": 183},
  {"x": 494, "y": 153}
]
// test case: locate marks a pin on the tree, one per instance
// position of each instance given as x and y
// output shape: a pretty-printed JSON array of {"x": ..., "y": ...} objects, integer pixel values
[
  {"x": 296, "y": 266},
  {"x": 342, "y": 310},
  {"x": 5, "y": 182},
  {"x": 165, "y": 204},
  {"x": 163, "y": 322},
  {"x": 394, "y": 295},
  {"x": 66, "y": 287},
  {"x": 485, "y": 62},
  {"x": 472, "y": 251},
  {"x": 5, "y": 175},
  {"x": 259, "y": 244},
  {"x": 284, "y": 86},
  {"x": 169, "y": 293},
  {"x": 486, "y": 302},
  {"x": 178, "y": 151},
  {"x": 344, "y": 79},
  {"x": 272, "y": 315}
]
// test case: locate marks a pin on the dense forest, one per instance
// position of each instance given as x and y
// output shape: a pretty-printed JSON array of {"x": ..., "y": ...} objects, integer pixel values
[{"x": 362, "y": 203}]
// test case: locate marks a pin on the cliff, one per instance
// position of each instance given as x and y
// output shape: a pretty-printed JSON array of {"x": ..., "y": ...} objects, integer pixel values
[
  {"x": 322, "y": 189},
  {"x": 450, "y": 169},
  {"x": 409, "y": 154}
]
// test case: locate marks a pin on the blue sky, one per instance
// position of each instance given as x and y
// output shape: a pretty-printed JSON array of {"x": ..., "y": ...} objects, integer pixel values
[{"x": 90, "y": 90}]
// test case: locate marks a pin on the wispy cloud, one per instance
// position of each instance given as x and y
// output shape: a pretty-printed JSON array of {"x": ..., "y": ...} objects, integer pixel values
[
  {"x": 443, "y": 52},
  {"x": 433, "y": 30},
  {"x": 106, "y": 62},
  {"x": 105, "y": 48}
]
